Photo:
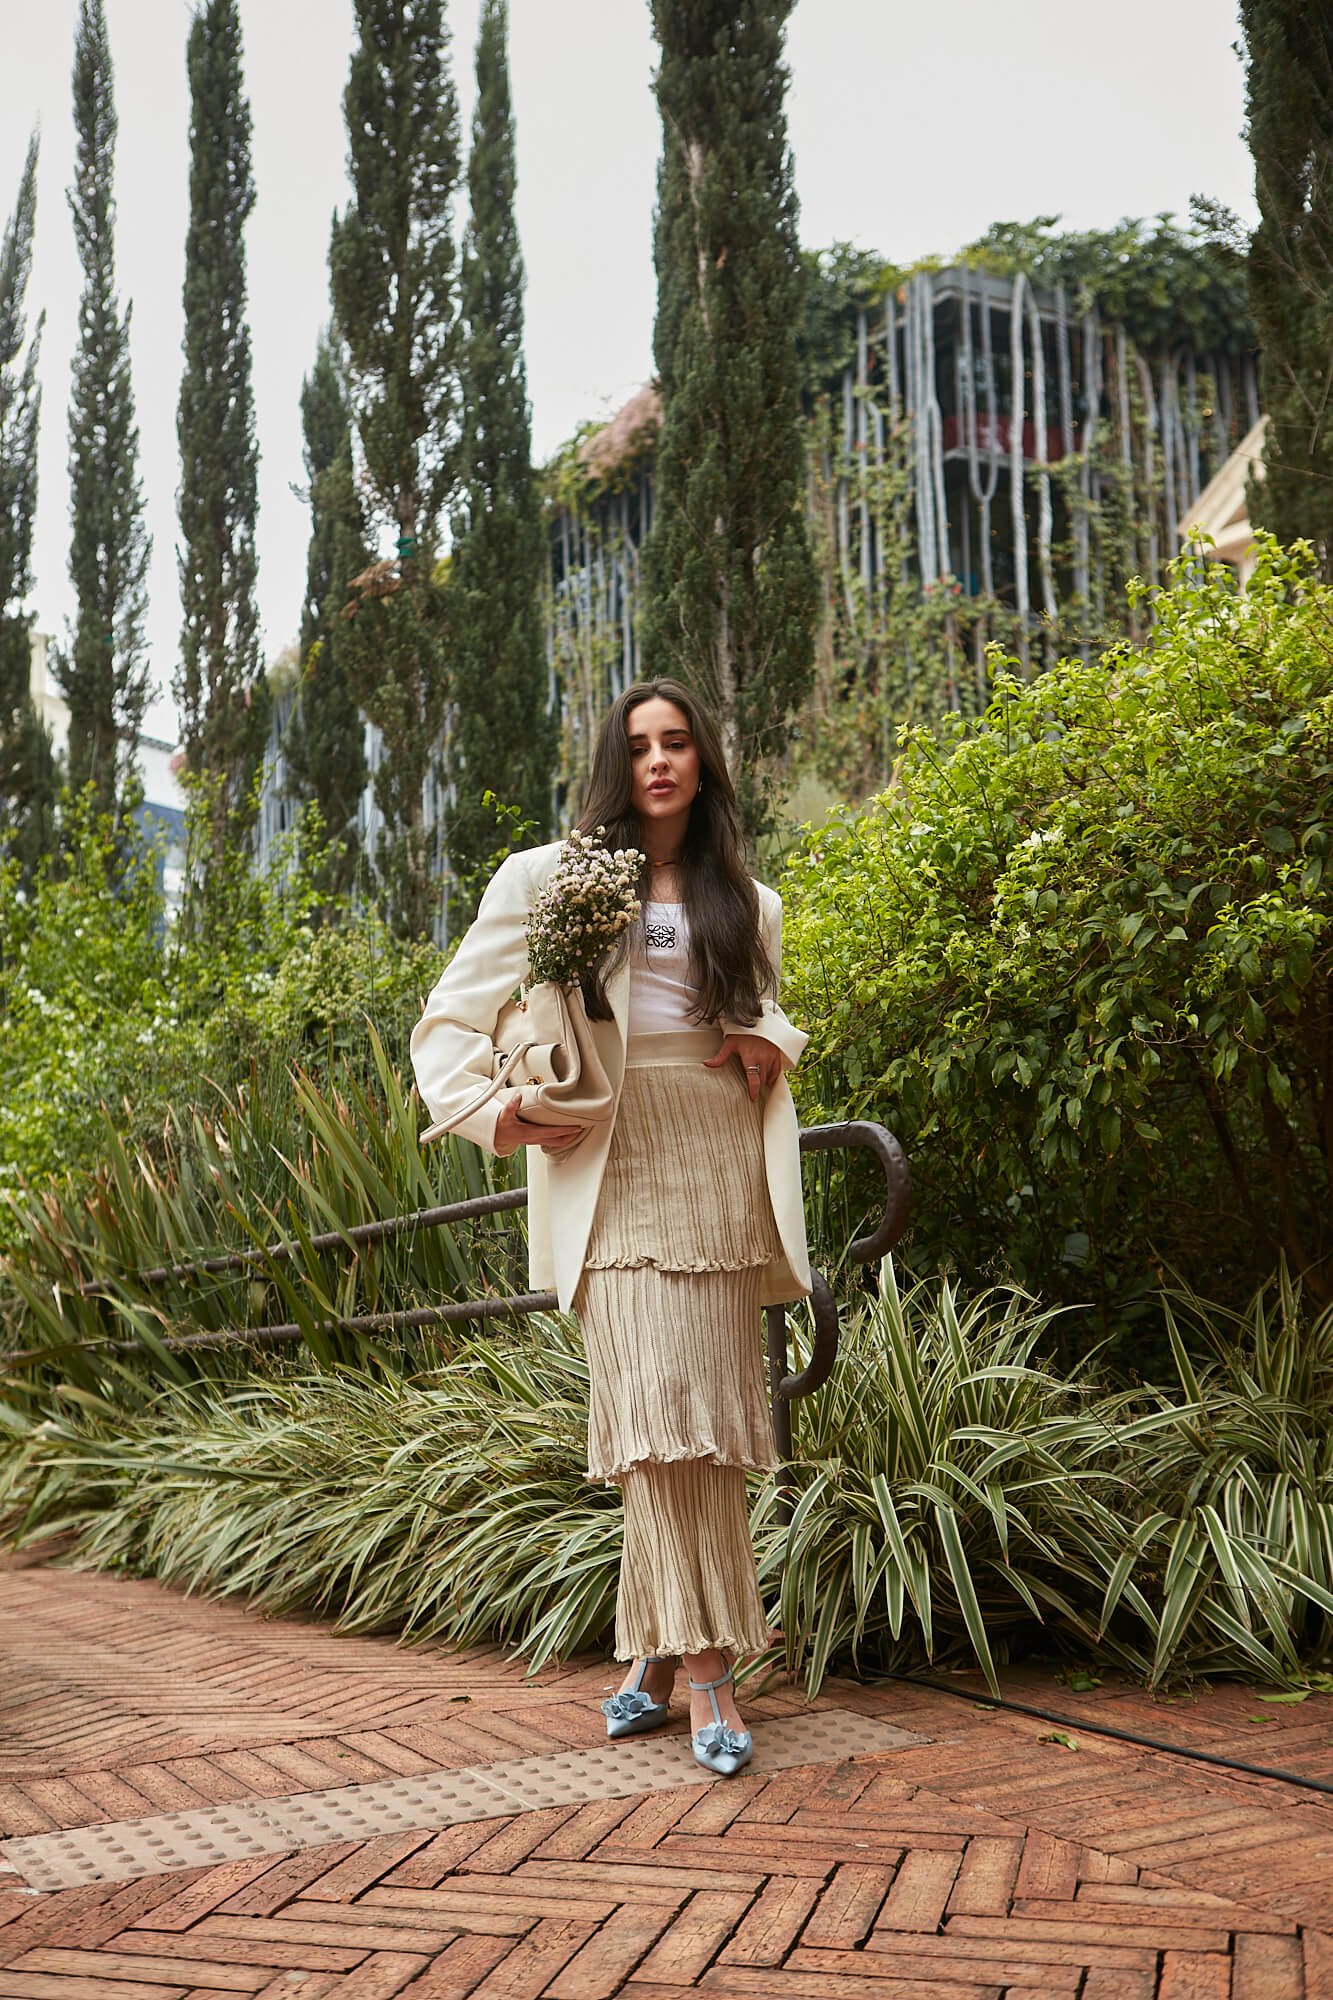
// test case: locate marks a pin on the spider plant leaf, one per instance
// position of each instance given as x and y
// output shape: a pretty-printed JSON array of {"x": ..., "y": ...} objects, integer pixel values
[
  {"x": 1223, "y": 1549},
  {"x": 963, "y": 1585}
]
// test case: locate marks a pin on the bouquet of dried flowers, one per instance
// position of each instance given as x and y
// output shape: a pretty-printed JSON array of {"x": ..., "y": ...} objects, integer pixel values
[{"x": 592, "y": 897}]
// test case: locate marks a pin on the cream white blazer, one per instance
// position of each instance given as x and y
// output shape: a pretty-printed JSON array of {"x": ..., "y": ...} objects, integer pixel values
[{"x": 453, "y": 1050}]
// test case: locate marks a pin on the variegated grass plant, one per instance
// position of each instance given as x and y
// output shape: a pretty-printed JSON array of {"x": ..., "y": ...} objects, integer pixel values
[
  {"x": 278, "y": 1165},
  {"x": 1235, "y": 1522},
  {"x": 954, "y": 1500},
  {"x": 452, "y": 1508},
  {"x": 955, "y": 1493}
]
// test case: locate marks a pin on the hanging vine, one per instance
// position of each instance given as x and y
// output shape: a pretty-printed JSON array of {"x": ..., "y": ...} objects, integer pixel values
[{"x": 996, "y": 448}]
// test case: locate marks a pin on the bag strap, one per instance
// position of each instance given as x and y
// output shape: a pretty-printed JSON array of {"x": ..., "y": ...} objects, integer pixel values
[{"x": 483, "y": 1096}]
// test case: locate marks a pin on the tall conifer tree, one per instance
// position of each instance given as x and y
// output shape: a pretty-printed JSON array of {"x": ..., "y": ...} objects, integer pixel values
[
  {"x": 220, "y": 685},
  {"x": 27, "y": 767},
  {"x": 730, "y": 587},
  {"x": 104, "y": 674},
  {"x": 1290, "y": 105},
  {"x": 394, "y": 277},
  {"x": 325, "y": 740},
  {"x": 501, "y": 735}
]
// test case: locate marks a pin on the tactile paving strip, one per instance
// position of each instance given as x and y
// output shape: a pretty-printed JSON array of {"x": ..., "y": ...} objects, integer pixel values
[{"x": 129, "y": 1848}]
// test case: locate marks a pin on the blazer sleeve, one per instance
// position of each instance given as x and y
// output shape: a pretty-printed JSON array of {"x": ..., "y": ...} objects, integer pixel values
[
  {"x": 453, "y": 1044},
  {"x": 772, "y": 1025}
]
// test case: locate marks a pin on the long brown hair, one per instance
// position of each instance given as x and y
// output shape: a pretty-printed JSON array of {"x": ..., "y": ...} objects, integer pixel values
[{"x": 727, "y": 956}]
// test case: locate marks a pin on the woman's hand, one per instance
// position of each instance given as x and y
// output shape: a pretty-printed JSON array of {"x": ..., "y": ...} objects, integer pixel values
[
  {"x": 512, "y": 1131},
  {"x": 763, "y": 1062}
]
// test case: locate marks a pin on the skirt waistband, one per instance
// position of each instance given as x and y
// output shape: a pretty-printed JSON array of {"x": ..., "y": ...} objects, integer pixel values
[{"x": 679, "y": 1045}]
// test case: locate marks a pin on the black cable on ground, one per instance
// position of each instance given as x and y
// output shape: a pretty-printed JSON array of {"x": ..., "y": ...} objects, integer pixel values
[{"x": 1121, "y": 1735}]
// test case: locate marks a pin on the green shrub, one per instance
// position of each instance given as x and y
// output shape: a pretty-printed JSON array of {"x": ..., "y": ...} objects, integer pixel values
[
  {"x": 454, "y": 1508},
  {"x": 1079, "y": 958},
  {"x": 112, "y": 1015},
  {"x": 81, "y": 993},
  {"x": 957, "y": 1497},
  {"x": 952, "y": 1491}
]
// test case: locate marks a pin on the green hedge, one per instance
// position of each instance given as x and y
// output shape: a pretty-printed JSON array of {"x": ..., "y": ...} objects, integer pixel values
[
  {"x": 112, "y": 1014},
  {"x": 1079, "y": 958}
]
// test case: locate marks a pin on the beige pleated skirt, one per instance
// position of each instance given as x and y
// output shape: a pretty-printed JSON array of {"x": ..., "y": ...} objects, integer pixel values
[{"x": 669, "y": 1303}]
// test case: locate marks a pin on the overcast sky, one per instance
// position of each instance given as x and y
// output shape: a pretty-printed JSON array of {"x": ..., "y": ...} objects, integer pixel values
[{"x": 913, "y": 128}]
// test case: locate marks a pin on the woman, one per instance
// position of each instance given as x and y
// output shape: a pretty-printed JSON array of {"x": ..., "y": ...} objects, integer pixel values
[{"x": 668, "y": 1229}]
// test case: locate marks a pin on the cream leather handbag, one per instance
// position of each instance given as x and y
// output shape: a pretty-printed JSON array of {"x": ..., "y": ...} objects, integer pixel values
[{"x": 544, "y": 1047}]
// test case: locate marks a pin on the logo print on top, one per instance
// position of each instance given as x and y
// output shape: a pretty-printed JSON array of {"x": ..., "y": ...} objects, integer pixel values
[{"x": 660, "y": 937}]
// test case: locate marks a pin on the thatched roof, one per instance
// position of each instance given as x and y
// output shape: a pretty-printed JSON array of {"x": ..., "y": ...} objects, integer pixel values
[
  {"x": 629, "y": 433},
  {"x": 1222, "y": 510}
]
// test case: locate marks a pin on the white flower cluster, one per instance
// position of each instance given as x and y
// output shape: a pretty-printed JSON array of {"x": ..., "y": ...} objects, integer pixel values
[{"x": 591, "y": 898}]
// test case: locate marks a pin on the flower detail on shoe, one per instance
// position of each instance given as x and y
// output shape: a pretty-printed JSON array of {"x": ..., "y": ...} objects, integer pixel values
[
  {"x": 633, "y": 1712},
  {"x": 720, "y": 1740},
  {"x": 626, "y": 1707}
]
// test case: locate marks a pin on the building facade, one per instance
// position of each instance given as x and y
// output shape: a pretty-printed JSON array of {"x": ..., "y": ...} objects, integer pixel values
[{"x": 991, "y": 468}]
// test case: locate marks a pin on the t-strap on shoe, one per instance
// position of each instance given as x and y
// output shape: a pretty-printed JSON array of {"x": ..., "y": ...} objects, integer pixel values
[
  {"x": 717, "y": 1746},
  {"x": 632, "y": 1712}
]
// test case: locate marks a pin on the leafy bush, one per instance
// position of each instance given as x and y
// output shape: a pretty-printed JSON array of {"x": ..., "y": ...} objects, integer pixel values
[
  {"x": 109, "y": 1011},
  {"x": 1079, "y": 957},
  {"x": 81, "y": 988},
  {"x": 955, "y": 1498},
  {"x": 952, "y": 1489},
  {"x": 169, "y": 1096},
  {"x": 454, "y": 1508}
]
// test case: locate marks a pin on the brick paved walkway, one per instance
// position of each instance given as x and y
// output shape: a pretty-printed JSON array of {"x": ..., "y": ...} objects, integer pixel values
[{"x": 967, "y": 1860}]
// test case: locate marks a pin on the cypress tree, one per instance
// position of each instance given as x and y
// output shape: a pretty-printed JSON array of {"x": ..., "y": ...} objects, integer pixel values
[
  {"x": 325, "y": 739},
  {"x": 27, "y": 766},
  {"x": 104, "y": 674},
  {"x": 220, "y": 685},
  {"x": 393, "y": 273},
  {"x": 501, "y": 732},
  {"x": 1290, "y": 108},
  {"x": 730, "y": 589}
]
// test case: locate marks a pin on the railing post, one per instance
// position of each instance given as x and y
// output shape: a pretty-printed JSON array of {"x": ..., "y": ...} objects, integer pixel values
[{"x": 776, "y": 1318}]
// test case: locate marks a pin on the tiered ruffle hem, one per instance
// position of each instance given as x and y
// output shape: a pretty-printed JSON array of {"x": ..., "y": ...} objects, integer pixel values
[{"x": 669, "y": 1303}]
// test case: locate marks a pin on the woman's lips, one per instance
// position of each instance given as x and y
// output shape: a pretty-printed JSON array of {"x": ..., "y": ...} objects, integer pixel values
[{"x": 659, "y": 791}]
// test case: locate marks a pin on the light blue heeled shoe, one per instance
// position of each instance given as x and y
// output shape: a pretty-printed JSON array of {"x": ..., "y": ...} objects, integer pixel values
[
  {"x": 632, "y": 1712},
  {"x": 719, "y": 1747}
]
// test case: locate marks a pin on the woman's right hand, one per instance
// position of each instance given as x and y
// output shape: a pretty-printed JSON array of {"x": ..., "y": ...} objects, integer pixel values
[{"x": 512, "y": 1131}]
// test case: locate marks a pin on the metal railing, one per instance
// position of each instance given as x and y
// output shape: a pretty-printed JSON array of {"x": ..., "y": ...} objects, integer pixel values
[{"x": 785, "y": 1388}]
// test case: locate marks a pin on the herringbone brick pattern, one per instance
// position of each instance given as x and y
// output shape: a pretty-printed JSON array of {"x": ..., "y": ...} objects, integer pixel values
[
  {"x": 981, "y": 1864},
  {"x": 119, "y": 1699},
  {"x": 812, "y": 1883}
]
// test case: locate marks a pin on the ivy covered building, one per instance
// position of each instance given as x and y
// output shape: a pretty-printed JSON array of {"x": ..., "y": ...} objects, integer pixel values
[
  {"x": 991, "y": 459},
  {"x": 994, "y": 449}
]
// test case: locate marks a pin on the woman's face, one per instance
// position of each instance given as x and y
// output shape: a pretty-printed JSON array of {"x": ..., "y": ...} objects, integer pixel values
[{"x": 664, "y": 764}]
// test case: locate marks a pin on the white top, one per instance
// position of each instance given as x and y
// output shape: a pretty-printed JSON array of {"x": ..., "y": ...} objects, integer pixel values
[{"x": 661, "y": 990}]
